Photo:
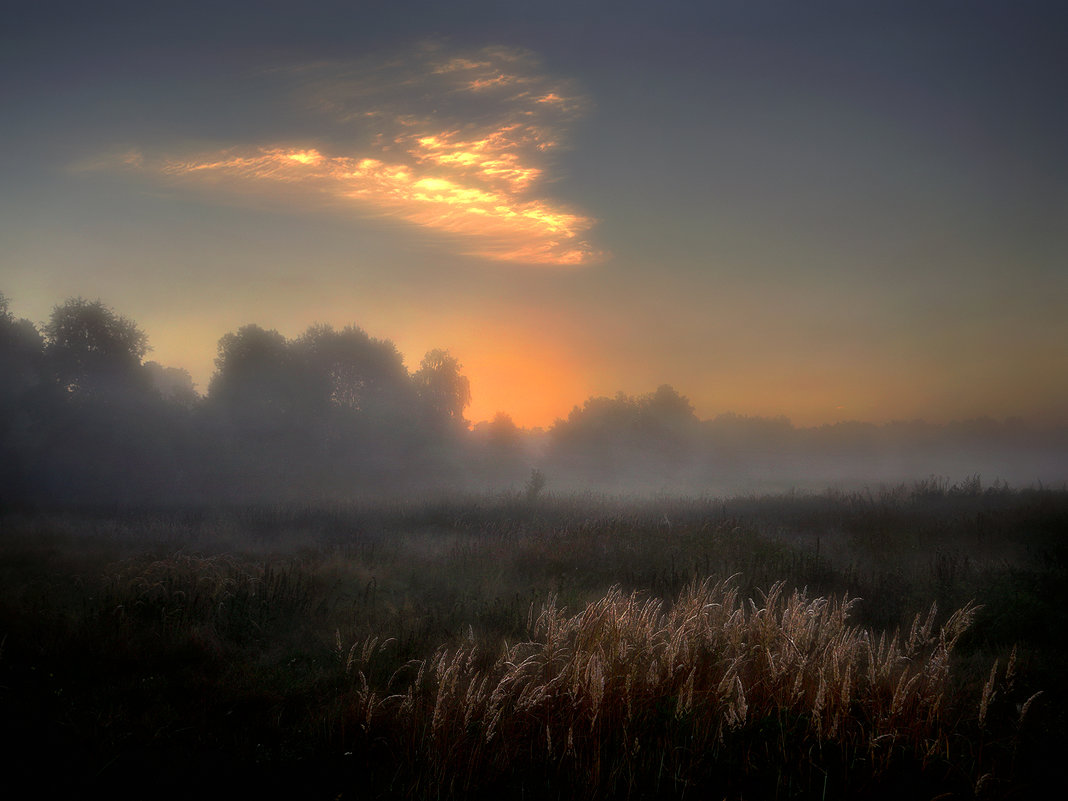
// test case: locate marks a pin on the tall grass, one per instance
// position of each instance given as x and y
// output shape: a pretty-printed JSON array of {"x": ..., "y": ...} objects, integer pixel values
[
  {"x": 176, "y": 646},
  {"x": 712, "y": 693}
]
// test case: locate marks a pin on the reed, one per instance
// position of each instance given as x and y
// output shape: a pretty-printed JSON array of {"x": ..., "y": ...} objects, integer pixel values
[{"x": 630, "y": 696}]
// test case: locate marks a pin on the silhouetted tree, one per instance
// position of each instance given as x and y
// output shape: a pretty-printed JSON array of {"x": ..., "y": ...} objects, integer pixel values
[
  {"x": 595, "y": 443},
  {"x": 501, "y": 451},
  {"x": 362, "y": 407},
  {"x": 261, "y": 412},
  {"x": 647, "y": 438},
  {"x": 353, "y": 371},
  {"x": 599, "y": 423},
  {"x": 26, "y": 401},
  {"x": 256, "y": 376},
  {"x": 666, "y": 409},
  {"x": 21, "y": 354},
  {"x": 174, "y": 384},
  {"x": 502, "y": 434},
  {"x": 445, "y": 391},
  {"x": 85, "y": 425},
  {"x": 91, "y": 349}
]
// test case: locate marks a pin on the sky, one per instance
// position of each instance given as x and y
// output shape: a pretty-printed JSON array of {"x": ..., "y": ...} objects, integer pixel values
[{"x": 823, "y": 210}]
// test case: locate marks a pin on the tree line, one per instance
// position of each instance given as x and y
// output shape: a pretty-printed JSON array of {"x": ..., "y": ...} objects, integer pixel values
[
  {"x": 335, "y": 413},
  {"x": 87, "y": 418}
]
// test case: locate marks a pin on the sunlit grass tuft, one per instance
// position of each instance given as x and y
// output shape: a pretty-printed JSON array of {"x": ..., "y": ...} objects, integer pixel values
[{"x": 630, "y": 696}]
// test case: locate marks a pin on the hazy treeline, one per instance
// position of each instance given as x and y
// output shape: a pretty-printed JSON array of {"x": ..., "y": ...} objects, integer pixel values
[
  {"x": 656, "y": 443},
  {"x": 87, "y": 419},
  {"x": 84, "y": 418}
]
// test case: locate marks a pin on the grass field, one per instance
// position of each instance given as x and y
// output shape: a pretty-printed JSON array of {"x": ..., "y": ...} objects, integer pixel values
[{"x": 905, "y": 643}]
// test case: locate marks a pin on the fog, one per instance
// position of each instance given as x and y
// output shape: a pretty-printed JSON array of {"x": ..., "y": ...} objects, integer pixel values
[{"x": 334, "y": 415}]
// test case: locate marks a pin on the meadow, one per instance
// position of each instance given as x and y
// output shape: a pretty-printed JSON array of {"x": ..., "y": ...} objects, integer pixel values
[{"x": 904, "y": 642}]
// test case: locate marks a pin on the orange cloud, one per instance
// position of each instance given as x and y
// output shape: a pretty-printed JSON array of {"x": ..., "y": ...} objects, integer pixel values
[{"x": 468, "y": 165}]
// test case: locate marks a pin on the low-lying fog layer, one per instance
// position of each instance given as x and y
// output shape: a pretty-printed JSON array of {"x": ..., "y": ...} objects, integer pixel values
[{"x": 336, "y": 415}]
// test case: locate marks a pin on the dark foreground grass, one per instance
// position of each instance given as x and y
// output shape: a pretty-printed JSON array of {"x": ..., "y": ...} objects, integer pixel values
[{"x": 566, "y": 647}]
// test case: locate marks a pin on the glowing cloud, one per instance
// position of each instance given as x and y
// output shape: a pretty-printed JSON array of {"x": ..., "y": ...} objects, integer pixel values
[{"x": 451, "y": 143}]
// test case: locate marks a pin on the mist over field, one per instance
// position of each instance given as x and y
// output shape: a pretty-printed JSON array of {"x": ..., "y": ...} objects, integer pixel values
[
  {"x": 319, "y": 579},
  {"x": 335, "y": 415}
]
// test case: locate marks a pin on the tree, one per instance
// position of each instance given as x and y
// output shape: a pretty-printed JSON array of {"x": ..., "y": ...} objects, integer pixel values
[
  {"x": 352, "y": 370},
  {"x": 501, "y": 448},
  {"x": 621, "y": 439},
  {"x": 174, "y": 384},
  {"x": 502, "y": 434},
  {"x": 24, "y": 396},
  {"x": 256, "y": 376},
  {"x": 600, "y": 422},
  {"x": 442, "y": 387},
  {"x": 21, "y": 354},
  {"x": 667, "y": 413},
  {"x": 91, "y": 349}
]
